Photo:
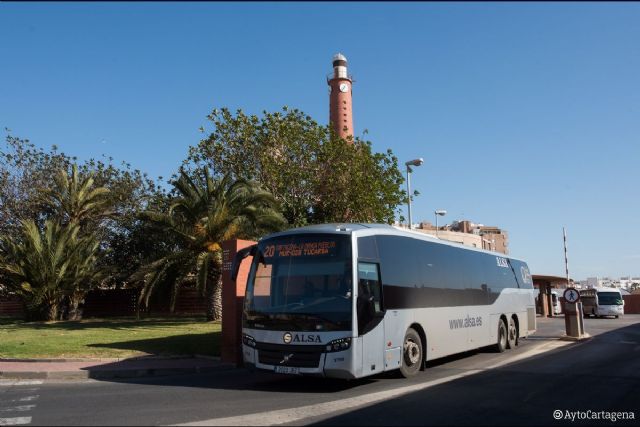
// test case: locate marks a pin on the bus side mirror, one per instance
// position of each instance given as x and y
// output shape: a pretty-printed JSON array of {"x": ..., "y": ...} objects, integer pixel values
[{"x": 237, "y": 260}]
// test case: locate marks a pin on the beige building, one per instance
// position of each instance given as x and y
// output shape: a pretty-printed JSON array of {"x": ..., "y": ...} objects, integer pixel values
[{"x": 465, "y": 232}]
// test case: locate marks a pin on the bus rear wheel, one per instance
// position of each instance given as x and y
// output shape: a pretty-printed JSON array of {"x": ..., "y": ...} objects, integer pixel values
[
  {"x": 411, "y": 354},
  {"x": 512, "y": 336},
  {"x": 501, "y": 345}
]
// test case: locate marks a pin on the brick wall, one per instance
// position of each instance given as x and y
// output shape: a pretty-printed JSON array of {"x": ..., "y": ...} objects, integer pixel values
[
  {"x": 120, "y": 302},
  {"x": 632, "y": 304},
  {"x": 111, "y": 303},
  {"x": 11, "y": 306}
]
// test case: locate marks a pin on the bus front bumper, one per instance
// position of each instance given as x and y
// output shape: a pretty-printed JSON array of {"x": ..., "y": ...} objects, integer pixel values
[{"x": 333, "y": 364}]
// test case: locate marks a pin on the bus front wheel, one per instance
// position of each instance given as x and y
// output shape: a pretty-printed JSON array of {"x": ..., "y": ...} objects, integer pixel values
[
  {"x": 501, "y": 345},
  {"x": 411, "y": 354}
]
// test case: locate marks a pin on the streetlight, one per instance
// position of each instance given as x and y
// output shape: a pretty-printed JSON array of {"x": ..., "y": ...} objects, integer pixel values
[
  {"x": 439, "y": 212},
  {"x": 414, "y": 162}
]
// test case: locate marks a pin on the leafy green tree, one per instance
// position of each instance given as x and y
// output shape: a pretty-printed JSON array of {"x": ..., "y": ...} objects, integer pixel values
[
  {"x": 26, "y": 173},
  {"x": 45, "y": 265},
  {"x": 315, "y": 176},
  {"x": 204, "y": 213}
]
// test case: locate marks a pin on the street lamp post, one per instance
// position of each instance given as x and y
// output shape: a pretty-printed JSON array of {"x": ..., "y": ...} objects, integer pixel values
[
  {"x": 439, "y": 212},
  {"x": 414, "y": 162}
]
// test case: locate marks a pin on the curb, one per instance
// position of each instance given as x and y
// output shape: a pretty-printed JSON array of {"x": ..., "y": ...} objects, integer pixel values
[
  {"x": 112, "y": 373},
  {"x": 111, "y": 359},
  {"x": 585, "y": 337},
  {"x": 106, "y": 360}
]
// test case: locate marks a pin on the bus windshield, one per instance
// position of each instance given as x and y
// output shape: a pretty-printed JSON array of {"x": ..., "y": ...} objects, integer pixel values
[
  {"x": 300, "y": 282},
  {"x": 609, "y": 298}
]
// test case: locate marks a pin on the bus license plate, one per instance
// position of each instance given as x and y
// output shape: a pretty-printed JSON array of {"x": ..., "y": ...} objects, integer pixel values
[{"x": 287, "y": 370}]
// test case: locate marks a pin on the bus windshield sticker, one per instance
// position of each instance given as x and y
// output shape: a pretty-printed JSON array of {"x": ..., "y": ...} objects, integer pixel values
[{"x": 526, "y": 276}]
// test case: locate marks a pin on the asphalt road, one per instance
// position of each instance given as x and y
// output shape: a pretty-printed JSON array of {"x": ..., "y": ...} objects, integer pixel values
[{"x": 519, "y": 387}]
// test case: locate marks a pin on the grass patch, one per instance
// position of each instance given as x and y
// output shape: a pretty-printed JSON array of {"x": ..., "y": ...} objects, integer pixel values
[{"x": 107, "y": 338}]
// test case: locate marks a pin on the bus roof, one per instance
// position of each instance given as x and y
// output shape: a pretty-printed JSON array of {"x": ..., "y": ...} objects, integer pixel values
[
  {"x": 602, "y": 289},
  {"x": 358, "y": 228}
]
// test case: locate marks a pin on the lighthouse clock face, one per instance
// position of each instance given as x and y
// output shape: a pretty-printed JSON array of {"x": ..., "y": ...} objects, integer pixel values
[{"x": 344, "y": 87}]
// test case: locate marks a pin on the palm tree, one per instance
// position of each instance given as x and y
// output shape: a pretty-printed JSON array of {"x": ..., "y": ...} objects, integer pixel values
[
  {"x": 43, "y": 266},
  {"x": 206, "y": 212},
  {"x": 75, "y": 199}
]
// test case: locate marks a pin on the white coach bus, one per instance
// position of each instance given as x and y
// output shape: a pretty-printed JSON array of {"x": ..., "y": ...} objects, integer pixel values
[{"x": 352, "y": 300}]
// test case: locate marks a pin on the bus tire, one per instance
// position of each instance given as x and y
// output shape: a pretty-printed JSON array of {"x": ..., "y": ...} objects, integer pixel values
[
  {"x": 411, "y": 354},
  {"x": 512, "y": 334},
  {"x": 501, "y": 345}
]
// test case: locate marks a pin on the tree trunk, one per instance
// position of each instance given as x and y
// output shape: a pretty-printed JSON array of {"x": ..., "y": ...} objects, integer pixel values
[
  {"x": 214, "y": 290},
  {"x": 75, "y": 313},
  {"x": 214, "y": 297},
  {"x": 52, "y": 311}
]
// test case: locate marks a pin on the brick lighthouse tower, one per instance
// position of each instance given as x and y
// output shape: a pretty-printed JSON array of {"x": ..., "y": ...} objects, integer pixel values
[{"x": 340, "y": 105}]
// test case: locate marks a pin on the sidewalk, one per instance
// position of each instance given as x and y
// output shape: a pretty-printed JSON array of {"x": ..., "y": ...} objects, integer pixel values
[{"x": 73, "y": 369}]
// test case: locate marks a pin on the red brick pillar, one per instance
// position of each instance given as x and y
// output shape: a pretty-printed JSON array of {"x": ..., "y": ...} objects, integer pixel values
[{"x": 232, "y": 299}]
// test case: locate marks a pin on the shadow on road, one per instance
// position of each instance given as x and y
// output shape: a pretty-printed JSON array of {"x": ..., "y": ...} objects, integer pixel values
[
  {"x": 602, "y": 374},
  {"x": 604, "y": 371}
]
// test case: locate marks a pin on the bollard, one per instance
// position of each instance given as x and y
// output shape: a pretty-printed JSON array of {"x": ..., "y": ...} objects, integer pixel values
[{"x": 573, "y": 320}]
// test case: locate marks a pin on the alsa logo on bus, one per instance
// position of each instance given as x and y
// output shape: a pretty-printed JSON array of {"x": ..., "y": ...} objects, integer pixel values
[
  {"x": 288, "y": 338},
  {"x": 502, "y": 262}
]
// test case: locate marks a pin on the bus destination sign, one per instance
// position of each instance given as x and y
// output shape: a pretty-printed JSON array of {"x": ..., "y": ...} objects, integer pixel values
[{"x": 301, "y": 249}]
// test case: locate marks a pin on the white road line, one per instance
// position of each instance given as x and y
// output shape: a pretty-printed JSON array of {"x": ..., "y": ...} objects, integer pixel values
[
  {"x": 530, "y": 353},
  {"x": 296, "y": 414},
  {"x": 28, "y": 398},
  {"x": 5, "y": 382},
  {"x": 21, "y": 408},
  {"x": 292, "y": 415},
  {"x": 15, "y": 421}
]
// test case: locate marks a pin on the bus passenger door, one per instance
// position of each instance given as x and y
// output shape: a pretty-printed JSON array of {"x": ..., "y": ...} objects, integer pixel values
[{"x": 370, "y": 315}]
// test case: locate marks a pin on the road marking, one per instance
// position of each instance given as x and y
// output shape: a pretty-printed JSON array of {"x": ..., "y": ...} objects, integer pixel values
[
  {"x": 15, "y": 421},
  {"x": 530, "y": 353},
  {"x": 28, "y": 398},
  {"x": 21, "y": 408},
  {"x": 5, "y": 382},
  {"x": 292, "y": 415}
]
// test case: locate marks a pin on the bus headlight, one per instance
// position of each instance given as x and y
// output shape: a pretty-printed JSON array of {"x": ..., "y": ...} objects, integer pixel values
[
  {"x": 248, "y": 340},
  {"x": 338, "y": 345}
]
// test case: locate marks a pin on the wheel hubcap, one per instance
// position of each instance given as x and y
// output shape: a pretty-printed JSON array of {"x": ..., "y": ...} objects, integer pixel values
[
  {"x": 411, "y": 352},
  {"x": 512, "y": 332}
]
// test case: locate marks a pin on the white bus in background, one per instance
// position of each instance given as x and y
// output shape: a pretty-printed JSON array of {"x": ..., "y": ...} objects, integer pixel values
[
  {"x": 555, "y": 300},
  {"x": 600, "y": 302},
  {"x": 352, "y": 300}
]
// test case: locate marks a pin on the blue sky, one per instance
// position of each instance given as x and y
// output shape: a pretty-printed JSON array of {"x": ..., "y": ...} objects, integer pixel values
[{"x": 527, "y": 114}]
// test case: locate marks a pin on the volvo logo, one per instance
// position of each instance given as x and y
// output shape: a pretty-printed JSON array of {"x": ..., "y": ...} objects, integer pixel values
[
  {"x": 287, "y": 337},
  {"x": 286, "y": 358}
]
